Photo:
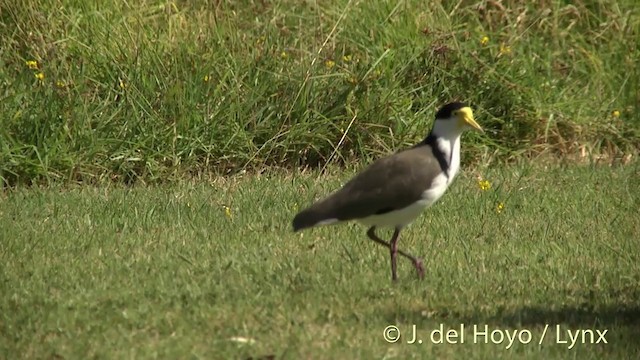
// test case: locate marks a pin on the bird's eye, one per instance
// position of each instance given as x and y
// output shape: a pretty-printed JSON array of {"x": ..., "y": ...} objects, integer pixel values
[{"x": 456, "y": 112}]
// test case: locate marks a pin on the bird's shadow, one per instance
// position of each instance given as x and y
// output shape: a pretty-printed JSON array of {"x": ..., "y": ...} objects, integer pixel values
[
  {"x": 624, "y": 316},
  {"x": 619, "y": 326}
]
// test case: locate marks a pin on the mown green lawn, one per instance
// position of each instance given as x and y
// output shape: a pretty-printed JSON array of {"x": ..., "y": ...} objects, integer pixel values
[{"x": 169, "y": 272}]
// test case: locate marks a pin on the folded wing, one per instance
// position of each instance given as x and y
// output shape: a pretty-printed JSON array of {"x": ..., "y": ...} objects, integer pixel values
[{"x": 388, "y": 184}]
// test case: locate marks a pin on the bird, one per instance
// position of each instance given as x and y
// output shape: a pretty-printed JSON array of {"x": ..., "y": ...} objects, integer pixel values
[{"x": 394, "y": 190}]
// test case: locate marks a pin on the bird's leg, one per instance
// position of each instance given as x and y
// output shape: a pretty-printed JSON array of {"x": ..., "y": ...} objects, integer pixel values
[
  {"x": 417, "y": 262},
  {"x": 394, "y": 253}
]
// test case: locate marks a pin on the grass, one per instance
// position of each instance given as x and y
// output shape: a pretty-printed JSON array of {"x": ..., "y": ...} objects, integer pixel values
[
  {"x": 179, "y": 270},
  {"x": 153, "y": 101},
  {"x": 148, "y": 91}
]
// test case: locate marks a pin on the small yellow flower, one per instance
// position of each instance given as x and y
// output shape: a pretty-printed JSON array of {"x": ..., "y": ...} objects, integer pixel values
[
  {"x": 616, "y": 113},
  {"x": 484, "y": 41},
  {"x": 505, "y": 49},
  {"x": 32, "y": 64},
  {"x": 499, "y": 207},
  {"x": 353, "y": 80},
  {"x": 484, "y": 185},
  {"x": 377, "y": 72},
  {"x": 329, "y": 64},
  {"x": 227, "y": 211},
  {"x": 122, "y": 84},
  {"x": 39, "y": 76},
  {"x": 346, "y": 58},
  {"x": 59, "y": 83},
  {"x": 284, "y": 55},
  {"x": 206, "y": 78}
]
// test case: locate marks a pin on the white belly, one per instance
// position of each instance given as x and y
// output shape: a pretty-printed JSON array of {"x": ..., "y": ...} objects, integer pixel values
[{"x": 402, "y": 217}]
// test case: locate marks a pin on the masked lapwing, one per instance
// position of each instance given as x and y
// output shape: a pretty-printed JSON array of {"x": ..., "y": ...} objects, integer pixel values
[{"x": 394, "y": 190}]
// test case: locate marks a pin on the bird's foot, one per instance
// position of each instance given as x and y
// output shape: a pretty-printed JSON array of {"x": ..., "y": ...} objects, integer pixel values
[{"x": 419, "y": 267}]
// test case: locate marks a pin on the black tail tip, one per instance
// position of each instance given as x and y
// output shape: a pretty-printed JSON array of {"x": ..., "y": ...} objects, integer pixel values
[
  {"x": 301, "y": 220},
  {"x": 297, "y": 224}
]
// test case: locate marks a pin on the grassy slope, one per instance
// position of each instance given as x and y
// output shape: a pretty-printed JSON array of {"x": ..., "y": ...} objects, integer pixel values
[
  {"x": 148, "y": 90},
  {"x": 163, "y": 272}
]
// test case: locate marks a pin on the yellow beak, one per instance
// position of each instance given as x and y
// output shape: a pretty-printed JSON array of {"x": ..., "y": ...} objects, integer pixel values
[{"x": 467, "y": 116}]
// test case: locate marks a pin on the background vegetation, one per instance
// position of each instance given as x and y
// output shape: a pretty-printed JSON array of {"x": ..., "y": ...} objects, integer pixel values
[{"x": 152, "y": 90}]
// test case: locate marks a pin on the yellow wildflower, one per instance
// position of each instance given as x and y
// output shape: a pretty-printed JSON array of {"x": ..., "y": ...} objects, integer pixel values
[
  {"x": 484, "y": 185},
  {"x": 284, "y": 55},
  {"x": 122, "y": 84},
  {"x": 499, "y": 207},
  {"x": 329, "y": 64},
  {"x": 59, "y": 83},
  {"x": 39, "y": 76},
  {"x": 616, "y": 113},
  {"x": 484, "y": 41},
  {"x": 206, "y": 78},
  {"x": 32, "y": 64},
  {"x": 346, "y": 58},
  {"x": 505, "y": 49},
  {"x": 227, "y": 211}
]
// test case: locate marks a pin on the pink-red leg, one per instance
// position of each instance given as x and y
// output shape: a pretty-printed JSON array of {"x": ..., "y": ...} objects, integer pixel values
[{"x": 393, "y": 248}]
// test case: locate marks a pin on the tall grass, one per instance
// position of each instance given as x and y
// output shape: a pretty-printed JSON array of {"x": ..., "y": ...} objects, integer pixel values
[{"x": 148, "y": 90}]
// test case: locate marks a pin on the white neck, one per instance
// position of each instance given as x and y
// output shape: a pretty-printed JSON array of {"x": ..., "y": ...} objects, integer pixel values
[
  {"x": 448, "y": 141},
  {"x": 451, "y": 149}
]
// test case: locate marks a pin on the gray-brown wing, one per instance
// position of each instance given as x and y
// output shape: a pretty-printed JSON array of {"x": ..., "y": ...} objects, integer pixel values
[{"x": 388, "y": 184}]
